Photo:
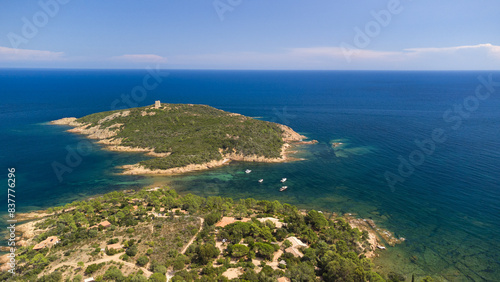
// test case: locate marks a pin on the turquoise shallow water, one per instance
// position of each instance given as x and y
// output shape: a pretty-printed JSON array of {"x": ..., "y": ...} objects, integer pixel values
[{"x": 448, "y": 209}]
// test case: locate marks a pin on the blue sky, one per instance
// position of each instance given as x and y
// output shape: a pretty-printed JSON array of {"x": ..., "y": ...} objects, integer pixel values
[{"x": 252, "y": 34}]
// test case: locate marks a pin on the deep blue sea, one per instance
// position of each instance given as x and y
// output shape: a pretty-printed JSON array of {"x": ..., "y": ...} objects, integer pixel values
[{"x": 447, "y": 207}]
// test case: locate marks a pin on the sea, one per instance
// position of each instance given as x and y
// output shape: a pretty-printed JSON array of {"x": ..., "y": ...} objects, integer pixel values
[{"x": 419, "y": 152}]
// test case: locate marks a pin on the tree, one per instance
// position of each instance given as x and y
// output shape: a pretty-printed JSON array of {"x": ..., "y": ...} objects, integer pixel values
[
  {"x": 39, "y": 261},
  {"x": 239, "y": 250},
  {"x": 112, "y": 241},
  {"x": 114, "y": 274},
  {"x": 179, "y": 262},
  {"x": 267, "y": 274},
  {"x": 132, "y": 251},
  {"x": 111, "y": 251},
  {"x": 303, "y": 271},
  {"x": 206, "y": 252},
  {"x": 309, "y": 235},
  {"x": 396, "y": 277},
  {"x": 80, "y": 219},
  {"x": 89, "y": 210},
  {"x": 238, "y": 230},
  {"x": 316, "y": 219},
  {"x": 250, "y": 275},
  {"x": 265, "y": 250},
  {"x": 142, "y": 260},
  {"x": 93, "y": 233},
  {"x": 280, "y": 234},
  {"x": 343, "y": 269},
  {"x": 374, "y": 277},
  {"x": 97, "y": 205},
  {"x": 183, "y": 275},
  {"x": 93, "y": 268},
  {"x": 240, "y": 210},
  {"x": 272, "y": 207},
  {"x": 138, "y": 278},
  {"x": 263, "y": 232},
  {"x": 191, "y": 201},
  {"x": 159, "y": 268},
  {"x": 120, "y": 215},
  {"x": 157, "y": 277},
  {"x": 250, "y": 203},
  {"x": 212, "y": 218},
  {"x": 53, "y": 277},
  {"x": 169, "y": 202}
]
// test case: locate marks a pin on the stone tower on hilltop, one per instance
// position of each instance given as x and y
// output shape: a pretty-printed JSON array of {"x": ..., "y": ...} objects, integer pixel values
[{"x": 157, "y": 104}]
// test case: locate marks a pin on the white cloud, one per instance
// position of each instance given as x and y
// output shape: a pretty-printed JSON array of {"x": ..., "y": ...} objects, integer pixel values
[
  {"x": 481, "y": 56},
  {"x": 409, "y": 53},
  {"x": 342, "y": 53},
  {"x": 487, "y": 47},
  {"x": 11, "y": 54},
  {"x": 480, "y": 51},
  {"x": 140, "y": 58}
]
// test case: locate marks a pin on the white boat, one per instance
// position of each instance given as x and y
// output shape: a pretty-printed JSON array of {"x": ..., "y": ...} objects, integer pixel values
[
  {"x": 283, "y": 188},
  {"x": 283, "y": 180},
  {"x": 261, "y": 180},
  {"x": 248, "y": 171}
]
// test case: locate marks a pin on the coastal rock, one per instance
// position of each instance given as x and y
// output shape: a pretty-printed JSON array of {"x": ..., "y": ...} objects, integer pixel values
[
  {"x": 375, "y": 234},
  {"x": 307, "y": 142},
  {"x": 96, "y": 132},
  {"x": 138, "y": 169},
  {"x": 66, "y": 121},
  {"x": 289, "y": 135},
  {"x": 4, "y": 259}
]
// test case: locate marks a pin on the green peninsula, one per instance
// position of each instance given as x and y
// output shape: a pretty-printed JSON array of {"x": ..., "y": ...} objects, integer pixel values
[
  {"x": 186, "y": 137},
  {"x": 156, "y": 234}
]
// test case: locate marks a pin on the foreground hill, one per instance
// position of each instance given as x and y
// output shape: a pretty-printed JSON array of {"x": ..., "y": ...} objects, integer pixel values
[
  {"x": 155, "y": 234},
  {"x": 185, "y": 137}
]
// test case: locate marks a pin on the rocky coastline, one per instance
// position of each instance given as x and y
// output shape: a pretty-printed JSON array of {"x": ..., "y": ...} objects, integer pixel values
[{"x": 105, "y": 137}]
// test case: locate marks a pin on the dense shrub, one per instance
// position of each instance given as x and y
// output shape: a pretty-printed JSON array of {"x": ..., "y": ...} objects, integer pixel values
[
  {"x": 131, "y": 251},
  {"x": 93, "y": 268},
  {"x": 142, "y": 260}
]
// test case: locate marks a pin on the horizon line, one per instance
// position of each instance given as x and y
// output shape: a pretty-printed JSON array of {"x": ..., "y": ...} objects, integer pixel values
[{"x": 218, "y": 69}]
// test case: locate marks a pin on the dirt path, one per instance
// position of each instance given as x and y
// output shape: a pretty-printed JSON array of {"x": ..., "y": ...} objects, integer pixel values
[
  {"x": 194, "y": 237},
  {"x": 171, "y": 273}
]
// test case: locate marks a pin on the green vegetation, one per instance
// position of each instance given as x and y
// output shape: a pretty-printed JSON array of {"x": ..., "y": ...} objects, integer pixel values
[
  {"x": 93, "y": 268},
  {"x": 239, "y": 251},
  {"x": 193, "y": 134},
  {"x": 142, "y": 260},
  {"x": 334, "y": 250},
  {"x": 131, "y": 251},
  {"x": 114, "y": 274}
]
